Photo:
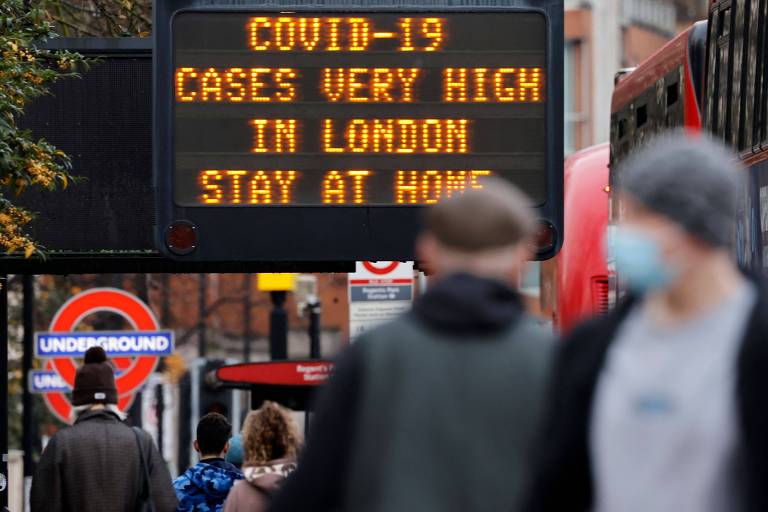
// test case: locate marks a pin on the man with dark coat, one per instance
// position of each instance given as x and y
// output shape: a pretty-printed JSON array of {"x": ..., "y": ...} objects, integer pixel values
[
  {"x": 434, "y": 411},
  {"x": 660, "y": 405},
  {"x": 94, "y": 465}
]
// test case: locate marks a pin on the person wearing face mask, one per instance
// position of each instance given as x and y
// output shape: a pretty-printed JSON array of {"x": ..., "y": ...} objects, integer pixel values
[{"x": 659, "y": 405}]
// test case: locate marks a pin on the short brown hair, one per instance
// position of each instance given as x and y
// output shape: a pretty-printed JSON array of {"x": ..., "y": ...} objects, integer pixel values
[
  {"x": 269, "y": 433},
  {"x": 497, "y": 215},
  {"x": 213, "y": 433}
]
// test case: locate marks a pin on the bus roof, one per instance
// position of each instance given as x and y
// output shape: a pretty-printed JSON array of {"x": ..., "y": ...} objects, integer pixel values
[{"x": 667, "y": 58}]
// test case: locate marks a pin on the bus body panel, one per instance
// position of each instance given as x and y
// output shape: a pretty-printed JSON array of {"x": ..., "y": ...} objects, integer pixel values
[{"x": 582, "y": 279}]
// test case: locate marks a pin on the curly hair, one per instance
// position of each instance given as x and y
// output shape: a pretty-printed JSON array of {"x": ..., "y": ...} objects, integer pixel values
[{"x": 269, "y": 433}]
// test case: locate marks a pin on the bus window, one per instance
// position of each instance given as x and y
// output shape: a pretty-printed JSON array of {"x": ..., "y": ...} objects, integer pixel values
[
  {"x": 761, "y": 77},
  {"x": 717, "y": 112},
  {"x": 754, "y": 70},
  {"x": 641, "y": 116},
  {"x": 673, "y": 94},
  {"x": 674, "y": 114},
  {"x": 737, "y": 79}
]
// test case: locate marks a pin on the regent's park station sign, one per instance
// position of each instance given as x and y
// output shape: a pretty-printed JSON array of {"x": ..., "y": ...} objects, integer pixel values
[{"x": 135, "y": 353}]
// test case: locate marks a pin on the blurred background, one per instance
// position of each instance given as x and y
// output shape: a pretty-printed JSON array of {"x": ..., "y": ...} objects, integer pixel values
[{"x": 225, "y": 316}]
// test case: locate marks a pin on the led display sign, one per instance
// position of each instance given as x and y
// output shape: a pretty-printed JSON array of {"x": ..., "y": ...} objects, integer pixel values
[
  {"x": 290, "y": 132},
  {"x": 356, "y": 108}
]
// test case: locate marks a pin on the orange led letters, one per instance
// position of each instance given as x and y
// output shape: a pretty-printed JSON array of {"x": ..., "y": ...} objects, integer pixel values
[
  {"x": 237, "y": 186},
  {"x": 500, "y": 85},
  {"x": 274, "y": 135},
  {"x": 404, "y": 136},
  {"x": 362, "y": 85},
  {"x": 431, "y": 186},
  {"x": 334, "y": 34},
  {"x": 351, "y": 132}
]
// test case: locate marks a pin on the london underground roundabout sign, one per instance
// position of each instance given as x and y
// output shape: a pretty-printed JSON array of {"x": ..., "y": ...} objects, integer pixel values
[
  {"x": 134, "y": 353},
  {"x": 380, "y": 268}
]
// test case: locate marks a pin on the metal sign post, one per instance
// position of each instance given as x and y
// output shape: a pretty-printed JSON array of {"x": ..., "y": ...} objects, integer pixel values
[
  {"x": 4, "y": 392},
  {"x": 278, "y": 286},
  {"x": 28, "y": 430}
]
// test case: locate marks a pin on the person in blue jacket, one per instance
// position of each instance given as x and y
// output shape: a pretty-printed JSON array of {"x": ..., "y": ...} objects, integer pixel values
[{"x": 205, "y": 486}]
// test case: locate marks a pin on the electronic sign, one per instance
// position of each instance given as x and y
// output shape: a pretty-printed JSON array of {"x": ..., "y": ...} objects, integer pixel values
[{"x": 333, "y": 127}]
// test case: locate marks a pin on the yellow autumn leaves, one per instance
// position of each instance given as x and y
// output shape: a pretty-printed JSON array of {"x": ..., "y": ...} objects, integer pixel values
[{"x": 26, "y": 71}]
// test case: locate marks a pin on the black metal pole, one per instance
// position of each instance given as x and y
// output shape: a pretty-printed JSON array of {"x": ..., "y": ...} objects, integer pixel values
[
  {"x": 314, "y": 328},
  {"x": 4, "y": 392},
  {"x": 135, "y": 411},
  {"x": 278, "y": 327},
  {"x": 247, "y": 306},
  {"x": 201, "y": 341},
  {"x": 28, "y": 290},
  {"x": 160, "y": 410},
  {"x": 165, "y": 306}
]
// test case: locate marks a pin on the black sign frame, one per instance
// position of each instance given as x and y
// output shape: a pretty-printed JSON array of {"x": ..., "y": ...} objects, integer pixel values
[{"x": 322, "y": 233}]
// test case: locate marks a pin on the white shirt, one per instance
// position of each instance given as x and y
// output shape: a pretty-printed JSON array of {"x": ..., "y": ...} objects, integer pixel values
[{"x": 664, "y": 432}]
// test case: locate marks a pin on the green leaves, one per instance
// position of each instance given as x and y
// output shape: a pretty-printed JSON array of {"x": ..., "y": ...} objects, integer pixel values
[{"x": 26, "y": 72}]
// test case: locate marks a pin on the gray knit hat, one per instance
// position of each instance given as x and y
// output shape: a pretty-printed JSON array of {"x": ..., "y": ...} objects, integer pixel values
[{"x": 692, "y": 181}]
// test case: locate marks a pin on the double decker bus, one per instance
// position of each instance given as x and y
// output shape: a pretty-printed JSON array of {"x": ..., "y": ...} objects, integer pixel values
[
  {"x": 713, "y": 77},
  {"x": 736, "y": 111},
  {"x": 726, "y": 72},
  {"x": 662, "y": 93}
]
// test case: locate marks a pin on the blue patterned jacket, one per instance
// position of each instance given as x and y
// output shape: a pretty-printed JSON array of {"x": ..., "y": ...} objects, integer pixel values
[{"x": 205, "y": 486}]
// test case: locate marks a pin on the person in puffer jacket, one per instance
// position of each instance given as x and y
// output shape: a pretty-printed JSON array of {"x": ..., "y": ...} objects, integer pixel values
[
  {"x": 205, "y": 486},
  {"x": 271, "y": 442}
]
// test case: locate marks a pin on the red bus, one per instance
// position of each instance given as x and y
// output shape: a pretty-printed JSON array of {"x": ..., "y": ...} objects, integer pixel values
[
  {"x": 663, "y": 92},
  {"x": 713, "y": 77},
  {"x": 580, "y": 271}
]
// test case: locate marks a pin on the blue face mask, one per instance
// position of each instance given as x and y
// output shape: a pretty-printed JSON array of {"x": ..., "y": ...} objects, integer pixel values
[{"x": 638, "y": 259}]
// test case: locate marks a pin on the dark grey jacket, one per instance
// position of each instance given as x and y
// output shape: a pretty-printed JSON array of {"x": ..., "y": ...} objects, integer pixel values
[
  {"x": 94, "y": 466},
  {"x": 431, "y": 413}
]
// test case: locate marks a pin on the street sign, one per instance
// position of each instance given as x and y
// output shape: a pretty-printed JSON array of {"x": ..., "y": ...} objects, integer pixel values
[
  {"x": 283, "y": 373},
  {"x": 135, "y": 354},
  {"x": 308, "y": 134},
  {"x": 290, "y": 383},
  {"x": 115, "y": 344},
  {"x": 276, "y": 282},
  {"x": 44, "y": 381},
  {"x": 378, "y": 292}
]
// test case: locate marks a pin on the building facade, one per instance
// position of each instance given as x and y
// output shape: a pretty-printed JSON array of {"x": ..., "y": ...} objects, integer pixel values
[{"x": 603, "y": 37}]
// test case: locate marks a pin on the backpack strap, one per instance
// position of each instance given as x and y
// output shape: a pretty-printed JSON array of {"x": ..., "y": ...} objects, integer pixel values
[{"x": 145, "y": 495}]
